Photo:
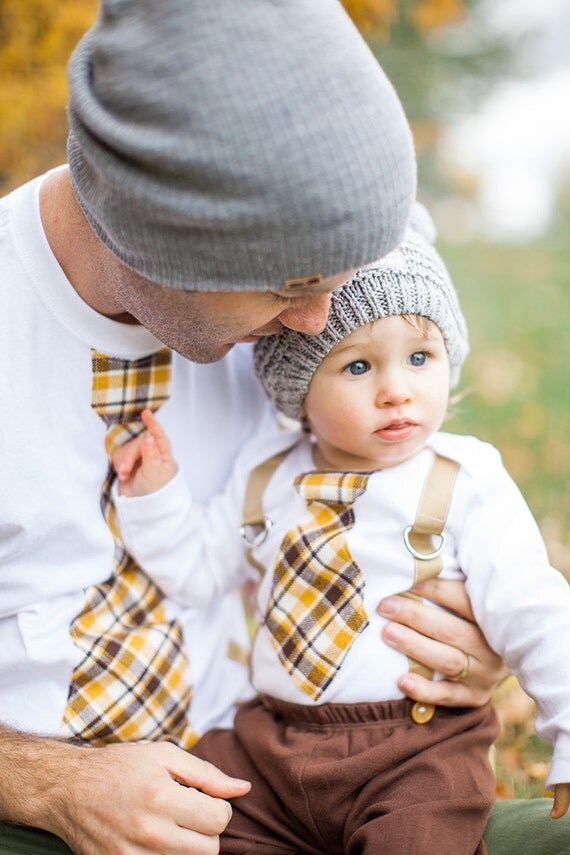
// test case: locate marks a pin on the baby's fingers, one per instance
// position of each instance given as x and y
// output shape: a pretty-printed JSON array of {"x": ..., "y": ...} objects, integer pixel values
[
  {"x": 127, "y": 456},
  {"x": 157, "y": 433},
  {"x": 150, "y": 453},
  {"x": 561, "y": 800}
]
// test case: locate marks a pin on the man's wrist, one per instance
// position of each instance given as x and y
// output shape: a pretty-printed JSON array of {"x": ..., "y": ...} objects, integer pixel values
[{"x": 37, "y": 777}]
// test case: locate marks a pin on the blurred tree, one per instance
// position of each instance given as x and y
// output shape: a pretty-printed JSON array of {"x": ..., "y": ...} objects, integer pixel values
[
  {"x": 36, "y": 38},
  {"x": 442, "y": 56},
  {"x": 378, "y": 15}
]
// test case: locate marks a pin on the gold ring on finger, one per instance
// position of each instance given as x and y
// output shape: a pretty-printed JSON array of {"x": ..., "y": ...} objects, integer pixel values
[{"x": 464, "y": 671}]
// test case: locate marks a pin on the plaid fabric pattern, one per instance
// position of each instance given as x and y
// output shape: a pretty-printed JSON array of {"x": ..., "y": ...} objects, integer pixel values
[
  {"x": 130, "y": 682},
  {"x": 316, "y": 608}
]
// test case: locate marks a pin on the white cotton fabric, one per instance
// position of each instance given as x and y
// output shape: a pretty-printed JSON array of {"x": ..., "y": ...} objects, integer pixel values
[
  {"x": 54, "y": 542},
  {"x": 492, "y": 541}
]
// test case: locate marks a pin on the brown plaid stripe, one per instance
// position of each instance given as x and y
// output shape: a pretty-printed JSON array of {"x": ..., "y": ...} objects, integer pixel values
[
  {"x": 130, "y": 683},
  {"x": 316, "y": 608}
]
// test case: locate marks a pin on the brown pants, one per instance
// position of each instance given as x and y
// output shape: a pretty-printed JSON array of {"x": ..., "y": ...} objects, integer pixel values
[{"x": 349, "y": 779}]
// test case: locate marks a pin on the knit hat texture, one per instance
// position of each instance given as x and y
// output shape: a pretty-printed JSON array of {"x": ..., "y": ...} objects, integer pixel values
[
  {"x": 223, "y": 145},
  {"x": 411, "y": 280}
]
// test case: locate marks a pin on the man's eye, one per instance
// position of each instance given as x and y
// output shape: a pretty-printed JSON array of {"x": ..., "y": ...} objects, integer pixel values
[
  {"x": 418, "y": 359},
  {"x": 359, "y": 366}
]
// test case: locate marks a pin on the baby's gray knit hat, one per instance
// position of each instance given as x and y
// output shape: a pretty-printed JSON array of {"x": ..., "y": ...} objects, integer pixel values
[
  {"x": 237, "y": 144},
  {"x": 411, "y": 280}
]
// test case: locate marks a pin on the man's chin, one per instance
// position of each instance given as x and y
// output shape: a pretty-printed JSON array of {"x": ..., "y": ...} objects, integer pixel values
[{"x": 205, "y": 355}]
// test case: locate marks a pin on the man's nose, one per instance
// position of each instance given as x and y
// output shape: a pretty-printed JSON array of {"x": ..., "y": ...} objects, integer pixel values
[{"x": 307, "y": 314}]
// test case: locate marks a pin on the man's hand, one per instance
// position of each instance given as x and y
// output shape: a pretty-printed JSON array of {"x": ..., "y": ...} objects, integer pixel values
[
  {"x": 439, "y": 639},
  {"x": 117, "y": 800}
]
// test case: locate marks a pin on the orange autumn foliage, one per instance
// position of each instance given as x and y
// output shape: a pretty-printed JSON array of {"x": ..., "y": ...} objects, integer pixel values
[
  {"x": 36, "y": 38},
  {"x": 378, "y": 15}
]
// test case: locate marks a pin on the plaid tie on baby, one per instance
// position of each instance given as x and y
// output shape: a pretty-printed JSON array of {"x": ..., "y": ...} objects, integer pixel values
[
  {"x": 316, "y": 608},
  {"x": 130, "y": 683}
]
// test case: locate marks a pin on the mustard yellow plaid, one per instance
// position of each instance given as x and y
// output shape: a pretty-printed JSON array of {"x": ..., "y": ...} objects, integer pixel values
[
  {"x": 316, "y": 608},
  {"x": 130, "y": 683}
]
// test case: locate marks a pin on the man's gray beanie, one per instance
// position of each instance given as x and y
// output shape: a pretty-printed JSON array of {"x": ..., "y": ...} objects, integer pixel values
[
  {"x": 237, "y": 144},
  {"x": 411, "y": 280}
]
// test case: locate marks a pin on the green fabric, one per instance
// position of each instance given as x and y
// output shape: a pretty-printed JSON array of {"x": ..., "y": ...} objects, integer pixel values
[
  {"x": 29, "y": 841},
  {"x": 524, "y": 827},
  {"x": 519, "y": 827}
]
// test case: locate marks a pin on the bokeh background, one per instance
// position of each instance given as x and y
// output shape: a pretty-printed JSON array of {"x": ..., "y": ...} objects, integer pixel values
[{"x": 486, "y": 86}]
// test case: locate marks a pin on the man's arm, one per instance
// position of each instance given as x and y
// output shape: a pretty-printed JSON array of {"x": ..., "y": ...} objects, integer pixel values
[
  {"x": 118, "y": 799},
  {"x": 439, "y": 638}
]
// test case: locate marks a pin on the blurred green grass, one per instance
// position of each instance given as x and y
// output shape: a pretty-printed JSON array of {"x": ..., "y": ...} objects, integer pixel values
[
  {"x": 517, "y": 376},
  {"x": 516, "y": 387}
]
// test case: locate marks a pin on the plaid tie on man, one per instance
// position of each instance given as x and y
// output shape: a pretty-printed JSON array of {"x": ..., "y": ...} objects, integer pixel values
[
  {"x": 316, "y": 608},
  {"x": 130, "y": 683}
]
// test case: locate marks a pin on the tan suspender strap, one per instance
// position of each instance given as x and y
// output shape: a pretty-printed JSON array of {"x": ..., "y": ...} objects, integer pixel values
[
  {"x": 254, "y": 519},
  {"x": 258, "y": 481},
  {"x": 431, "y": 517},
  {"x": 253, "y": 516}
]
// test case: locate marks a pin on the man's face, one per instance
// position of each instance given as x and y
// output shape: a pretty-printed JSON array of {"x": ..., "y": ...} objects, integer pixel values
[{"x": 204, "y": 326}]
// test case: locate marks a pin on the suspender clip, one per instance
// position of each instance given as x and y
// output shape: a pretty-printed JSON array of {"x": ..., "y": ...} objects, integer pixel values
[
  {"x": 423, "y": 556},
  {"x": 249, "y": 535}
]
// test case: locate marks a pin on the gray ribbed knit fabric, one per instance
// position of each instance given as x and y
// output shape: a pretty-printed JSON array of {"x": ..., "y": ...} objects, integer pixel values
[
  {"x": 234, "y": 144},
  {"x": 410, "y": 280}
]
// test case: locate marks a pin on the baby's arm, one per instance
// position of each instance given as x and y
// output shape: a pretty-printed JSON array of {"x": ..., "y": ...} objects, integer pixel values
[
  {"x": 520, "y": 602},
  {"x": 145, "y": 464},
  {"x": 194, "y": 553},
  {"x": 561, "y": 800}
]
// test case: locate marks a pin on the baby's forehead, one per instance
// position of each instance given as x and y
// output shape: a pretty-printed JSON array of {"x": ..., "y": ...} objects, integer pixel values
[{"x": 412, "y": 326}]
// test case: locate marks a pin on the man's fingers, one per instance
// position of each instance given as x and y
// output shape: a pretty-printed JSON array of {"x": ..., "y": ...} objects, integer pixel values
[
  {"x": 194, "y": 810},
  {"x": 439, "y": 657},
  {"x": 431, "y": 622},
  {"x": 156, "y": 834},
  {"x": 450, "y": 594},
  {"x": 441, "y": 640},
  {"x": 194, "y": 772},
  {"x": 200, "y": 803},
  {"x": 441, "y": 693},
  {"x": 185, "y": 842}
]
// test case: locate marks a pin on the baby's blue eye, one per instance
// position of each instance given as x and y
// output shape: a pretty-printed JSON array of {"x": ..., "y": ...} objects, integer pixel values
[
  {"x": 418, "y": 359},
  {"x": 359, "y": 366}
]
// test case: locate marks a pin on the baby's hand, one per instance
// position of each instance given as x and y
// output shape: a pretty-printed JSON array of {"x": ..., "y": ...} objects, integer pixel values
[
  {"x": 145, "y": 464},
  {"x": 561, "y": 800}
]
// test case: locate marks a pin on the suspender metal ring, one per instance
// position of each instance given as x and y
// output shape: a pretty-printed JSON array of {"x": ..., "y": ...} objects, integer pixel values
[
  {"x": 423, "y": 556},
  {"x": 248, "y": 532}
]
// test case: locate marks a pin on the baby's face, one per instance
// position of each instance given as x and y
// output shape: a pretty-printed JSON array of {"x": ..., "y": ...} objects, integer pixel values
[{"x": 379, "y": 395}]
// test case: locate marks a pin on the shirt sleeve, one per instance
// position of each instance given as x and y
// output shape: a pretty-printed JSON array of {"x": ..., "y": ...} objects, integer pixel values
[
  {"x": 194, "y": 553},
  {"x": 521, "y": 603}
]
